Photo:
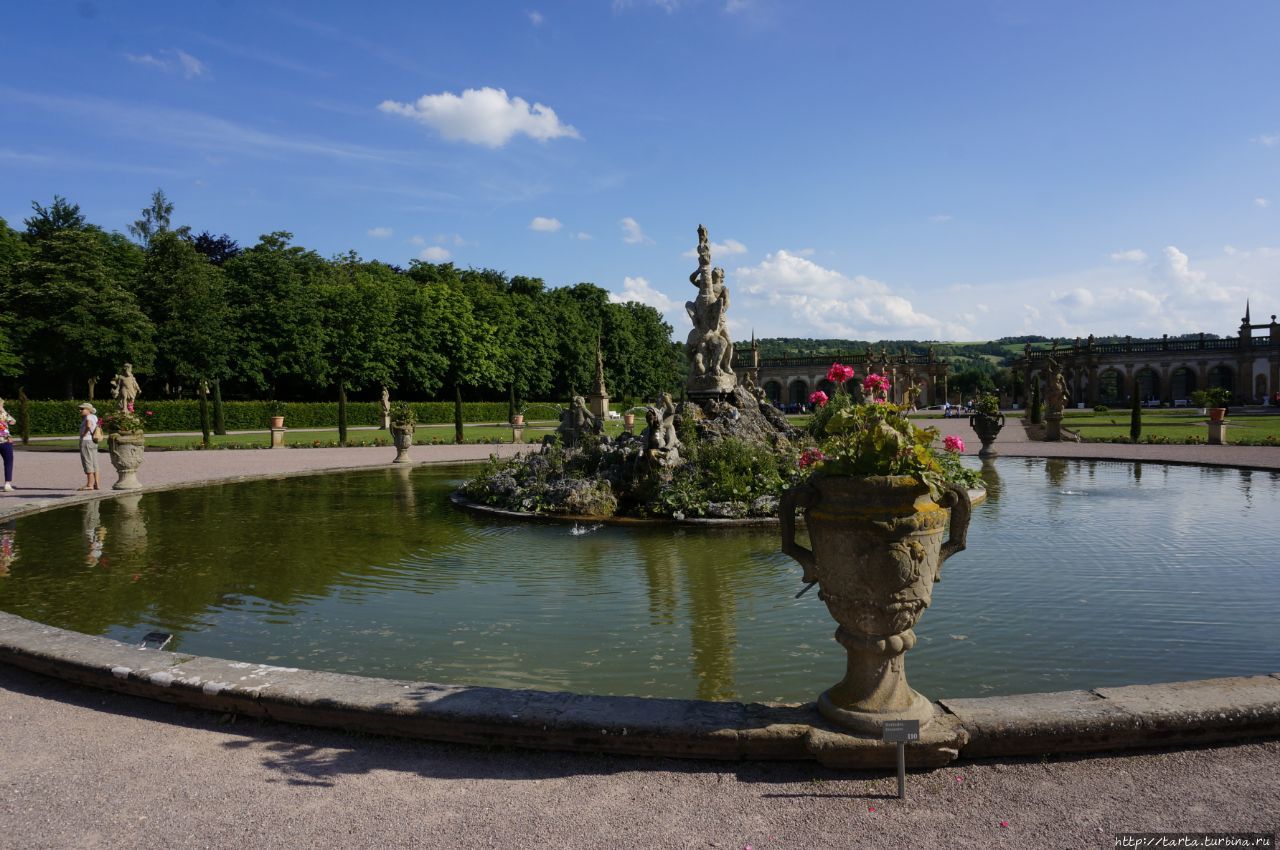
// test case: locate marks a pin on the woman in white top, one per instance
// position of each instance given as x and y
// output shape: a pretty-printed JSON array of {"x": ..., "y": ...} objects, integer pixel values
[
  {"x": 89, "y": 446},
  {"x": 6, "y": 445}
]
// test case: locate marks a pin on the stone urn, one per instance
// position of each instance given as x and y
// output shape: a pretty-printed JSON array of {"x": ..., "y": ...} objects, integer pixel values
[
  {"x": 127, "y": 449},
  {"x": 402, "y": 436},
  {"x": 877, "y": 551},
  {"x": 1216, "y": 414},
  {"x": 517, "y": 419},
  {"x": 988, "y": 426},
  {"x": 628, "y": 422}
]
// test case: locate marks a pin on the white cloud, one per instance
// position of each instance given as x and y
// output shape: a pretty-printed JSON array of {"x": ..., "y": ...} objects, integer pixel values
[
  {"x": 1133, "y": 255},
  {"x": 805, "y": 252},
  {"x": 535, "y": 17},
  {"x": 940, "y": 219},
  {"x": 1268, "y": 140},
  {"x": 484, "y": 116},
  {"x": 720, "y": 249},
  {"x": 826, "y": 303},
  {"x": 639, "y": 289},
  {"x": 1262, "y": 202},
  {"x": 545, "y": 225},
  {"x": 171, "y": 61},
  {"x": 434, "y": 254},
  {"x": 415, "y": 239},
  {"x": 632, "y": 233},
  {"x": 581, "y": 236},
  {"x": 380, "y": 232}
]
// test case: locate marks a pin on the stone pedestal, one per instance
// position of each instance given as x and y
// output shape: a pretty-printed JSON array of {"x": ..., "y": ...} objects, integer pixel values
[
  {"x": 126, "y": 456},
  {"x": 1053, "y": 427},
  {"x": 402, "y": 436},
  {"x": 277, "y": 438},
  {"x": 386, "y": 422},
  {"x": 517, "y": 433},
  {"x": 1217, "y": 433},
  {"x": 598, "y": 405}
]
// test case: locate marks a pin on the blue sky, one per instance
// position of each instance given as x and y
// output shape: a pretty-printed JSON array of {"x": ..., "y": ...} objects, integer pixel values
[{"x": 948, "y": 170}]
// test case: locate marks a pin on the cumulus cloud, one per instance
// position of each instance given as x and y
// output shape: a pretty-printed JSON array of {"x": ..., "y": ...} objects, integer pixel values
[
  {"x": 581, "y": 236},
  {"x": 1133, "y": 255},
  {"x": 545, "y": 225},
  {"x": 486, "y": 116},
  {"x": 639, "y": 289},
  {"x": 434, "y": 254},
  {"x": 1262, "y": 202},
  {"x": 632, "y": 233},
  {"x": 380, "y": 232},
  {"x": 171, "y": 61},
  {"x": 1268, "y": 140},
  {"x": 416, "y": 239},
  {"x": 727, "y": 248},
  {"x": 825, "y": 302},
  {"x": 535, "y": 17}
]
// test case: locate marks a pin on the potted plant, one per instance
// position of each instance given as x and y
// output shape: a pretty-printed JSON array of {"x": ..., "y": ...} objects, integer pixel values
[
  {"x": 277, "y": 414},
  {"x": 876, "y": 504},
  {"x": 517, "y": 417},
  {"x": 987, "y": 420},
  {"x": 1214, "y": 400},
  {"x": 403, "y": 424},
  {"x": 126, "y": 442}
]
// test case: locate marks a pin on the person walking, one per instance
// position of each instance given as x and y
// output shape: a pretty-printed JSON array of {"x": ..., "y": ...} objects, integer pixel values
[
  {"x": 6, "y": 446},
  {"x": 89, "y": 445}
]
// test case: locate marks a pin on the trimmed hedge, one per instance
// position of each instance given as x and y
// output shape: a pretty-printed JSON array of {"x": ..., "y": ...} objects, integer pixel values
[{"x": 63, "y": 417}]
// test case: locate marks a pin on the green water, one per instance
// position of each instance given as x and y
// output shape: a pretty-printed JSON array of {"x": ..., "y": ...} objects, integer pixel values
[{"x": 1077, "y": 574}]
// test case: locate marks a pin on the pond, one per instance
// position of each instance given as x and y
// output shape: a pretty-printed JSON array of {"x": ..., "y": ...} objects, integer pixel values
[{"x": 1078, "y": 574}]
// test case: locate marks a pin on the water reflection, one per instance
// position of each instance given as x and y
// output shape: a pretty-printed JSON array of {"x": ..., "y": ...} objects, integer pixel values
[{"x": 376, "y": 573}]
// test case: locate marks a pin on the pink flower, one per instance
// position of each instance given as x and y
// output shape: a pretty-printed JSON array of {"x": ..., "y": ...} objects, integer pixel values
[
  {"x": 149, "y": 413},
  {"x": 953, "y": 444},
  {"x": 818, "y": 397},
  {"x": 874, "y": 383},
  {"x": 810, "y": 457},
  {"x": 838, "y": 374},
  {"x": 1004, "y": 823},
  {"x": 131, "y": 407}
]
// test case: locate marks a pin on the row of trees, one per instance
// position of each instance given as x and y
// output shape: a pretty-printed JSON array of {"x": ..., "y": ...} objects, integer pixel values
[{"x": 277, "y": 320}]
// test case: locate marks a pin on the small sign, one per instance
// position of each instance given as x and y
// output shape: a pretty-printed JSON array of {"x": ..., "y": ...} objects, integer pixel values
[{"x": 901, "y": 731}]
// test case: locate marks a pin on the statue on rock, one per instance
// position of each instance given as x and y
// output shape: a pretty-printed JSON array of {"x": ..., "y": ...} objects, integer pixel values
[
  {"x": 125, "y": 388},
  {"x": 709, "y": 346},
  {"x": 576, "y": 422},
  {"x": 661, "y": 443}
]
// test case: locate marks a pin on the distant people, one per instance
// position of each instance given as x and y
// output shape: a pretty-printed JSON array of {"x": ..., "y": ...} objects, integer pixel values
[
  {"x": 6, "y": 446},
  {"x": 946, "y": 410},
  {"x": 89, "y": 445}
]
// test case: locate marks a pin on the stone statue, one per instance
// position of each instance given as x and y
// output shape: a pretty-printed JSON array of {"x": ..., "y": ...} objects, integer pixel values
[
  {"x": 911, "y": 395},
  {"x": 599, "y": 387},
  {"x": 577, "y": 421},
  {"x": 661, "y": 443},
  {"x": 709, "y": 346},
  {"x": 124, "y": 388},
  {"x": 385, "y": 405},
  {"x": 749, "y": 384},
  {"x": 1056, "y": 389}
]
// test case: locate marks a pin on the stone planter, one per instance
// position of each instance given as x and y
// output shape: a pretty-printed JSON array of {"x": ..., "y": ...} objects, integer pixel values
[
  {"x": 877, "y": 551},
  {"x": 277, "y": 421},
  {"x": 127, "y": 449},
  {"x": 517, "y": 419},
  {"x": 402, "y": 436},
  {"x": 988, "y": 426}
]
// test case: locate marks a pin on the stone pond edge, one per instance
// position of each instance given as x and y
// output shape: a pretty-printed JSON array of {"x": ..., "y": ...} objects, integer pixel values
[{"x": 1102, "y": 719}]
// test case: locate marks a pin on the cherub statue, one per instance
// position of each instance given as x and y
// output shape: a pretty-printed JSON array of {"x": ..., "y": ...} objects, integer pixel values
[{"x": 125, "y": 388}]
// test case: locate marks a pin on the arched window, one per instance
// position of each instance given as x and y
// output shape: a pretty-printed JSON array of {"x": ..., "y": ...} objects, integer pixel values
[
  {"x": 1182, "y": 383},
  {"x": 1110, "y": 387},
  {"x": 1222, "y": 376},
  {"x": 1147, "y": 383},
  {"x": 773, "y": 391},
  {"x": 798, "y": 392}
]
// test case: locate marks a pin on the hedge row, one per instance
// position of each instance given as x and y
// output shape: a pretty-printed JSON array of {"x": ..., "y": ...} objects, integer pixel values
[{"x": 63, "y": 417}]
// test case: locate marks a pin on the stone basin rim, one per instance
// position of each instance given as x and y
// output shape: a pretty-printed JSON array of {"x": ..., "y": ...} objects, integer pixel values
[{"x": 1095, "y": 721}]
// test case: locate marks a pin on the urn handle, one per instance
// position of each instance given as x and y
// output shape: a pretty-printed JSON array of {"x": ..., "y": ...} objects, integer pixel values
[
  {"x": 957, "y": 499},
  {"x": 799, "y": 496}
]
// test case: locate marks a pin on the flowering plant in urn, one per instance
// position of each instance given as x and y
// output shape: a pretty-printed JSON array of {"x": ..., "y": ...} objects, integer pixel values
[{"x": 877, "y": 502}]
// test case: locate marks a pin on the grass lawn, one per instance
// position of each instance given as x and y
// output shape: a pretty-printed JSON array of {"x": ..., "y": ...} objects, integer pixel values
[{"x": 1174, "y": 424}]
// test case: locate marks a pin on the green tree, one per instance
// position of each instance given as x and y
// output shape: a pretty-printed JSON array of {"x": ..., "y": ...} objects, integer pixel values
[
  {"x": 154, "y": 219},
  {"x": 55, "y": 218},
  {"x": 73, "y": 321},
  {"x": 188, "y": 303}
]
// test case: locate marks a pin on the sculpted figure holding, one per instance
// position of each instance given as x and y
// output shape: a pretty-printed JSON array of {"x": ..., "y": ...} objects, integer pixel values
[
  {"x": 578, "y": 420},
  {"x": 125, "y": 388},
  {"x": 661, "y": 444},
  {"x": 709, "y": 346}
]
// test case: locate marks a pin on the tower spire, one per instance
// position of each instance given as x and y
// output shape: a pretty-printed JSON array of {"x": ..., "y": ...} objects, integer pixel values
[{"x": 1246, "y": 312}]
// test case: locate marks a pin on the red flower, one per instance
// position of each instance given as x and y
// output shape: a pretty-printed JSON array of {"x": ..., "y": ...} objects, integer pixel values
[
  {"x": 818, "y": 397},
  {"x": 838, "y": 374}
]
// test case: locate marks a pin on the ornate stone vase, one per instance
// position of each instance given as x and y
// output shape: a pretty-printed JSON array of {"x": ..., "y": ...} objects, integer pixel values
[
  {"x": 877, "y": 551},
  {"x": 127, "y": 449},
  {"x": 988, "y": 427},
  {"x": 402, "y": 435}
]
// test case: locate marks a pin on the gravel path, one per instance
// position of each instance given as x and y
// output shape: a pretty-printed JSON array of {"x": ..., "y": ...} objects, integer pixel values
[{"x": 82, "y": 768}]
